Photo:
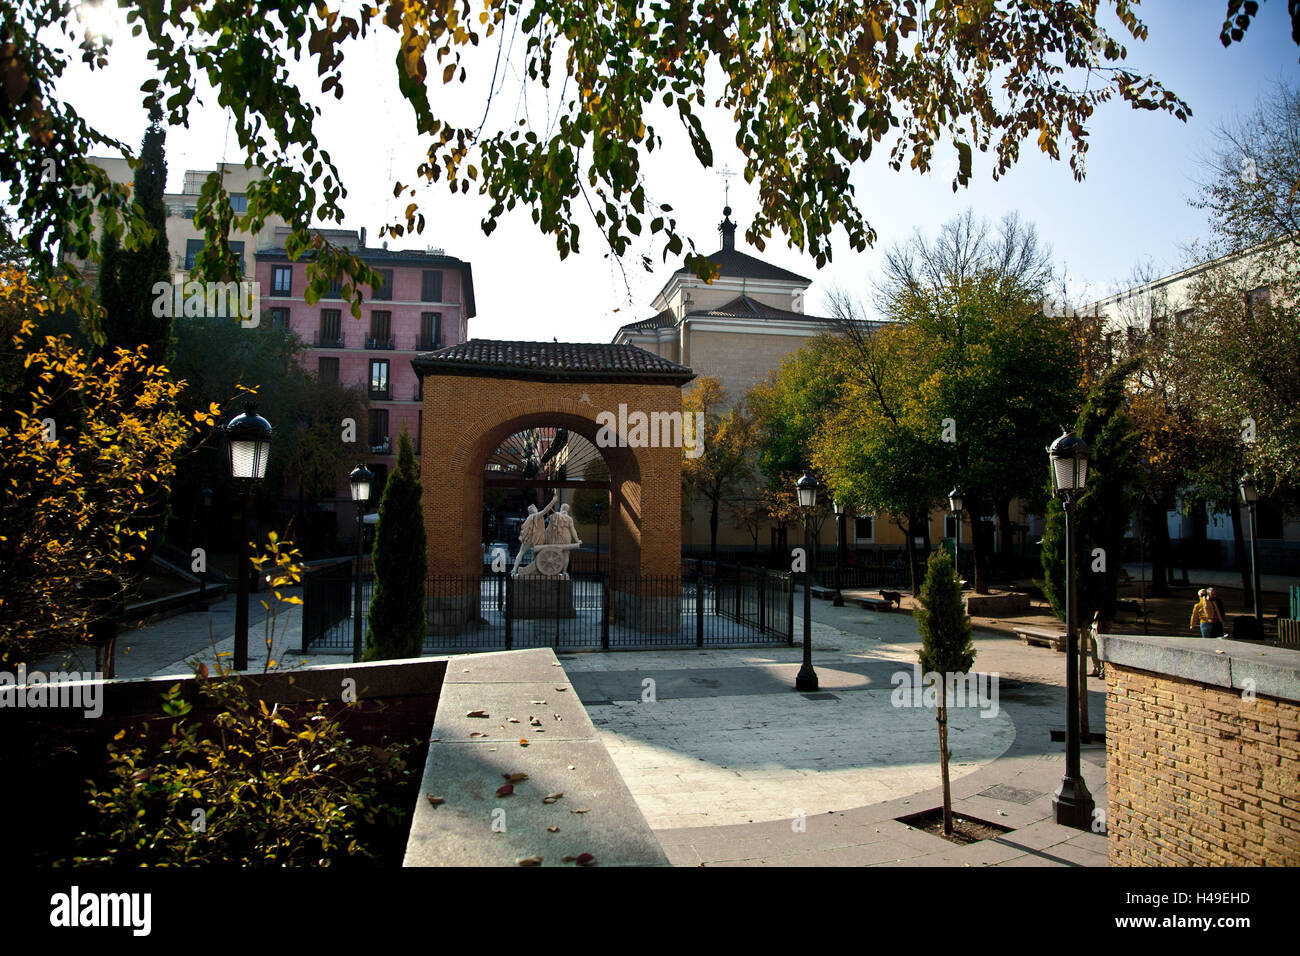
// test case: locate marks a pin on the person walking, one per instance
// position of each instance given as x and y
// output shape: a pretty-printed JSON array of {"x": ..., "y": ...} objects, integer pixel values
[
  {"x": 1217, "y": 601},
  {"x": 1205, "y": 613}
]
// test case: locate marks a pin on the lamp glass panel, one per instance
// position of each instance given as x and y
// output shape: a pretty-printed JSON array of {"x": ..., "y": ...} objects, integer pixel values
[{"x": 243, "y": 459}]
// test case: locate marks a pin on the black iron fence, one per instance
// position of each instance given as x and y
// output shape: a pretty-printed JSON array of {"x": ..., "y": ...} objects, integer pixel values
[{"x": 705, "y": 605}]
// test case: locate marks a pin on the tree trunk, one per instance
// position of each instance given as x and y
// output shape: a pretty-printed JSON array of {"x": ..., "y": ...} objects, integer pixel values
[
  {"x": 713, "y": 527},
  {"x": 1158, "y": 541},
  {"x": 911, "y": 555},
  {"x": 1243, "y": 557},
  {"x": 979, "y": 542},
  {"x": 1002, "y": 508},
  {"x": 943, "y": 752}
]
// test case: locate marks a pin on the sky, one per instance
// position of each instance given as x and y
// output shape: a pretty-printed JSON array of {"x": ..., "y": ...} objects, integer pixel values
[{"x": 1131, "y": 211}]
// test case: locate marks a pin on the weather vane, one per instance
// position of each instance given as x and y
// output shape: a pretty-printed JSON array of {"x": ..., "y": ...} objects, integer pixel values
[{"x": 726, "y": 174}]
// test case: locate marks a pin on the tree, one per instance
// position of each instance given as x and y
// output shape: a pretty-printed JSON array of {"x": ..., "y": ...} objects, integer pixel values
[
  {"x": 1249, "y": 185},
  {"x": 946, "y": 647},
  {"x": 127, "y": 277},
  {"x": 1103, "y": 511},
  {"x": 726, "y": 461},
  {"x": 86, "y": 444},
  {"x": 396, "y": 623},
  {"x": 813, "y": 90}
]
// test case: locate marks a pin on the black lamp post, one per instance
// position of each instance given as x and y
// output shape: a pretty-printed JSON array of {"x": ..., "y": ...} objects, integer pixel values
[
  {"x": 360, "y": 480},
  {"x": 1072, "y": 803},
  {"x": 807, "y": 491},
  {"x": 248, "y": 445},
  {"x": 596, "y": 508},
  {"x": 838, "y": 507},
  {"x": 955, "y": 502},
  {"x": 1250, "y": 495}
]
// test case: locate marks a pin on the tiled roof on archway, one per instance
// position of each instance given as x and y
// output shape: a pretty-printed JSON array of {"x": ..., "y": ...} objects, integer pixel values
[{"x": 564, "y": 361}]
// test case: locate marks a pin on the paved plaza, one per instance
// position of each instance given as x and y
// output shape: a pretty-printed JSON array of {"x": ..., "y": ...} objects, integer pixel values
[{"x": 731, "y": 766}]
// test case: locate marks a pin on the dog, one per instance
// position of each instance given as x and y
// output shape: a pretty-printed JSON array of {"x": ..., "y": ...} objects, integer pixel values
[{"x": 893, "y": 596}]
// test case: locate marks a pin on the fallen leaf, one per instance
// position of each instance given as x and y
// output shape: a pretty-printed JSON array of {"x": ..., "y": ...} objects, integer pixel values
[
  {"x": 505, "y": 789},
  {"x": 478, "y": 733},
  {"x": 539, "y": 702},
  {"x": 558, "y": 717},
  {"x": 552, "y": 829},
  {"x": 552, "y": 797},
  {"x": 569, "y": 858},
  {"x": 534, "y": 722},
  {"x": 513, "y": 720},
  {"x": 477, "y": 713},
  {"x": 585, "y": 859},
  {"x": 436, "y": 801},
  {"x": 529, "y": 861},
  {"x": 561, "y": 689},
  {"x": 581, "y": 810},
  {"x": 523, "y": 741},
  {"x": 515, "y": 777}
]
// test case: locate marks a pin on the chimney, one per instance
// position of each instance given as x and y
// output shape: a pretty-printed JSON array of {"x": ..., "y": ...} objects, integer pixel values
[
  {"x": 363, "y": 237},
  {"x": 728, "y": 230}
]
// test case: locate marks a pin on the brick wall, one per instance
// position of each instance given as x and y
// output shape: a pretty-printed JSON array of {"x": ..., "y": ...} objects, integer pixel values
[{"x": 1199, "y": 775}]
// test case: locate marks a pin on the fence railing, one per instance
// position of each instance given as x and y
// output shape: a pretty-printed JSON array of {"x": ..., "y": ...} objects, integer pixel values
[{"x": 705, "y": 605}]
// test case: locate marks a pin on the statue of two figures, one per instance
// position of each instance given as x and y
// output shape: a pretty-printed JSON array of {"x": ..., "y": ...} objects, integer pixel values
[{"x": 550, "y": 541}]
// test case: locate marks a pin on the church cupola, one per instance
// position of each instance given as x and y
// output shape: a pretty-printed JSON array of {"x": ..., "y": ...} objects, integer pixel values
[{"x": 727, "y": 229}]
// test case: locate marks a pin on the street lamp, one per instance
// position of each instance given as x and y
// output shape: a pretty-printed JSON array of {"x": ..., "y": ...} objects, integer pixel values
[
  {"x": 1250, "y": 495},
  {"x": 248, "y": 446},
  {"x": 838, "y": 507},
  {"x": 1072, "y": 803},
  {"x": 806, "y": 488},
  {"x": 596, "y": 508},
  {"x": 360, "y": 480},
  {"x": 955, "y": 502}
]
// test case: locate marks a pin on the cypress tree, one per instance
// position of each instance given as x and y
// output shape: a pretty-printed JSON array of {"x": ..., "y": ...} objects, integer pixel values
[
  {"x": 396, "y": 623},
  {"x": 127, "y": 276},
  {"x": 946, "y": 647}
]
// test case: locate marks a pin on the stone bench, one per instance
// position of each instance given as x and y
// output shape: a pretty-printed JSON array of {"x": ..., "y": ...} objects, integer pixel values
[
  {"x": 873, "y": 604},
  {"x": 468, "y": 757},
  {"x": 1042, "y": 637}
]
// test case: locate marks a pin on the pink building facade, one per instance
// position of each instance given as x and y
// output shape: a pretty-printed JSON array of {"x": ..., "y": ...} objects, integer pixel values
[{"x": 425, "y": 304}]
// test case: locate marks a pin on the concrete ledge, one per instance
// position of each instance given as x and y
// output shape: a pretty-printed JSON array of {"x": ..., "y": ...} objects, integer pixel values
[
  {"x": 1271, "y": 671},
  {"x": 468, "y": 757}
]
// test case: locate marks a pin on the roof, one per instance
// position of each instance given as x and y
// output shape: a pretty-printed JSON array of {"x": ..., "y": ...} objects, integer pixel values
[
  {"x": 664, "y": 320},
  {"x": 743, "y": 307},
  {"x": 732, "y": 263},
  {"x": 399, "y": 257},
  {"x": 561, "y": 361}
]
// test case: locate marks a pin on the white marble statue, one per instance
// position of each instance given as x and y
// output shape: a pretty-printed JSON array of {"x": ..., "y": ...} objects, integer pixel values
[
  {"x": 532, "y": 532},
  {"x": 550, "y": 542}
]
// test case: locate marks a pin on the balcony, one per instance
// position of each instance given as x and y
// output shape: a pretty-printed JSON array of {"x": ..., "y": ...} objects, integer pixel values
[
  {"x": 383, "y": 394},
  {"x": 381, "y": 446},
  {"x": 380, "y": 344},
  {"x": 330, "y": 340},
  {"x": 426, "y": 343}
]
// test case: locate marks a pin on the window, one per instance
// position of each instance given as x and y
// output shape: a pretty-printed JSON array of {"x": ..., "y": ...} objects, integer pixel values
[
  {"x": 430, "y": 331},
  {"x": 279, "y": 318},
  {"x": 331, "y": 328},
  {"x": 385, "y": 288},
  {"x": 238, "y": 202},
  {"x": 379, "y": 378},
  {"x": 381, "y": 328},
  {"x": 378, "y": 437},
  {"x": 334, "y": 290},
  {"x": 192, "y": 248},
  {"x": 431, "y": 287},
  {"x": 1256, "y": 299},
  {"x": 281, "y": 280},
  {"x": 328, "y": 370},
  {"x": 864, "y": 528}
]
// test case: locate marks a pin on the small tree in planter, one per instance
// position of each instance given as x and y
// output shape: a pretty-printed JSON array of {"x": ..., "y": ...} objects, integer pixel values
[
  {"x": 946, "y": 648},
  {"x": 396, "y": 622}
]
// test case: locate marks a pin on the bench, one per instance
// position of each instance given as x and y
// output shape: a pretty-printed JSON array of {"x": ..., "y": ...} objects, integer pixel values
[
  {"x": 1042, "y": 637},
  {"x": 873, "y": 604},
  {"x": 823, "y": 594}
]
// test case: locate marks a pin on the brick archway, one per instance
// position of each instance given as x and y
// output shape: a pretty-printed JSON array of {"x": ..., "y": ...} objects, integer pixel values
[{"x": 479, "y": 392}]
